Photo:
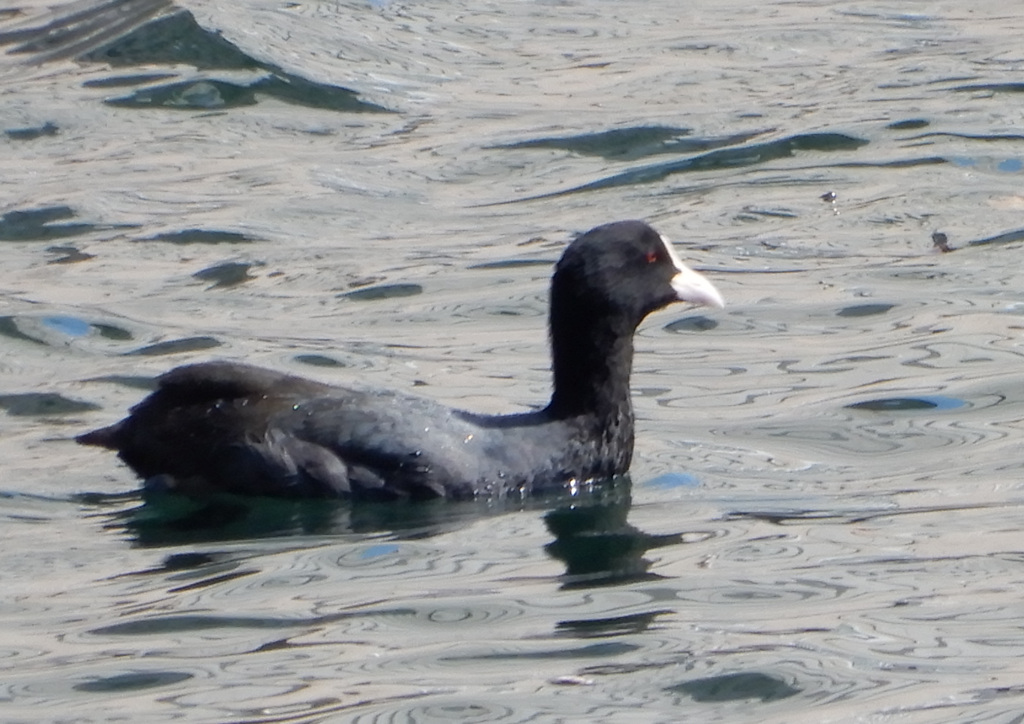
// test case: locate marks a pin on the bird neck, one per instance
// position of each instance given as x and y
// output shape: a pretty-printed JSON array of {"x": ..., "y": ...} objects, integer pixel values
[{"x": 591, "y": 363}]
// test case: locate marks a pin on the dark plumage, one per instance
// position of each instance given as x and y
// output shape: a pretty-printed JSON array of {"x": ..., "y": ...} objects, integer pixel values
[{"x": 223, "y": 426}]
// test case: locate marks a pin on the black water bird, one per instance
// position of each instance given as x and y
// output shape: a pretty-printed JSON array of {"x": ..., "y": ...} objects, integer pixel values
[{"x": 230, "y": 427}]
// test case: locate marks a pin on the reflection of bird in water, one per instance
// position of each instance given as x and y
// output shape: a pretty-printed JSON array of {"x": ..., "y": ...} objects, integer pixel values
[{"x": 598, "y": 546}]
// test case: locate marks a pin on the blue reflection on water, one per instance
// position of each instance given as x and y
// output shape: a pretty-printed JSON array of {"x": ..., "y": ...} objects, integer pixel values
[
  {"x": 71, "y": 326},
  {"x": 673, "y": 480}
]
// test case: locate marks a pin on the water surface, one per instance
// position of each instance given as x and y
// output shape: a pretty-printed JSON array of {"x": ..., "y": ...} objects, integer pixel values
[{"x": 825, "y": 507}]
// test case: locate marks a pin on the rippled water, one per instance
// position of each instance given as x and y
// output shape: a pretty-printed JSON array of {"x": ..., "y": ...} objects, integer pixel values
[{"x": 825, "y": 516}]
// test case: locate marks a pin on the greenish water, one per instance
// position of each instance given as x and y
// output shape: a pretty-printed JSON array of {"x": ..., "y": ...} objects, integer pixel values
[{"x": 825, "y": 514}]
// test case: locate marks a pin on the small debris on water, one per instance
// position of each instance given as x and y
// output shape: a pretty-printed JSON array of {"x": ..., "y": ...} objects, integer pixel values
[
  {"x": 572, "y": 681},
  {"x": 941, "y": 242},
  {"x": 829, "y": 197}
]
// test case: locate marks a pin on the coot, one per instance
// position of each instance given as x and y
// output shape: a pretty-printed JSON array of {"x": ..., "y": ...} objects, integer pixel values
[{"x": 230, "y": 427}]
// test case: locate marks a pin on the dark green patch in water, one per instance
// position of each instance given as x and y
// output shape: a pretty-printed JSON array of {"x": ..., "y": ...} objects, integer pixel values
[
  {"x": 41, "y": 404},
  {"x": 736, "y": 687},
  {"x": 633, "y": 142},
  {"x": 384, "y": 291},
  {"x": 720, "y": 159},
  {"x": 228, "y": 274},
  {"x": 37, "y": 224},
  {"x": 132, "y": 682},
  {"x": 864, "y": 310},
  {"x": 202, "y": 236},
  {"x": 176, "y": 346}
]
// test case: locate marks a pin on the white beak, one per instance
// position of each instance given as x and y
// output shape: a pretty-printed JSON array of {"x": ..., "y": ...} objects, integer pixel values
[{"x": 691, "y": 286}]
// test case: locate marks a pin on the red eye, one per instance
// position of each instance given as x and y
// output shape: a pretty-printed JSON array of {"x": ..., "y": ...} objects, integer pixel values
[{"x": 652, "y": 256}]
